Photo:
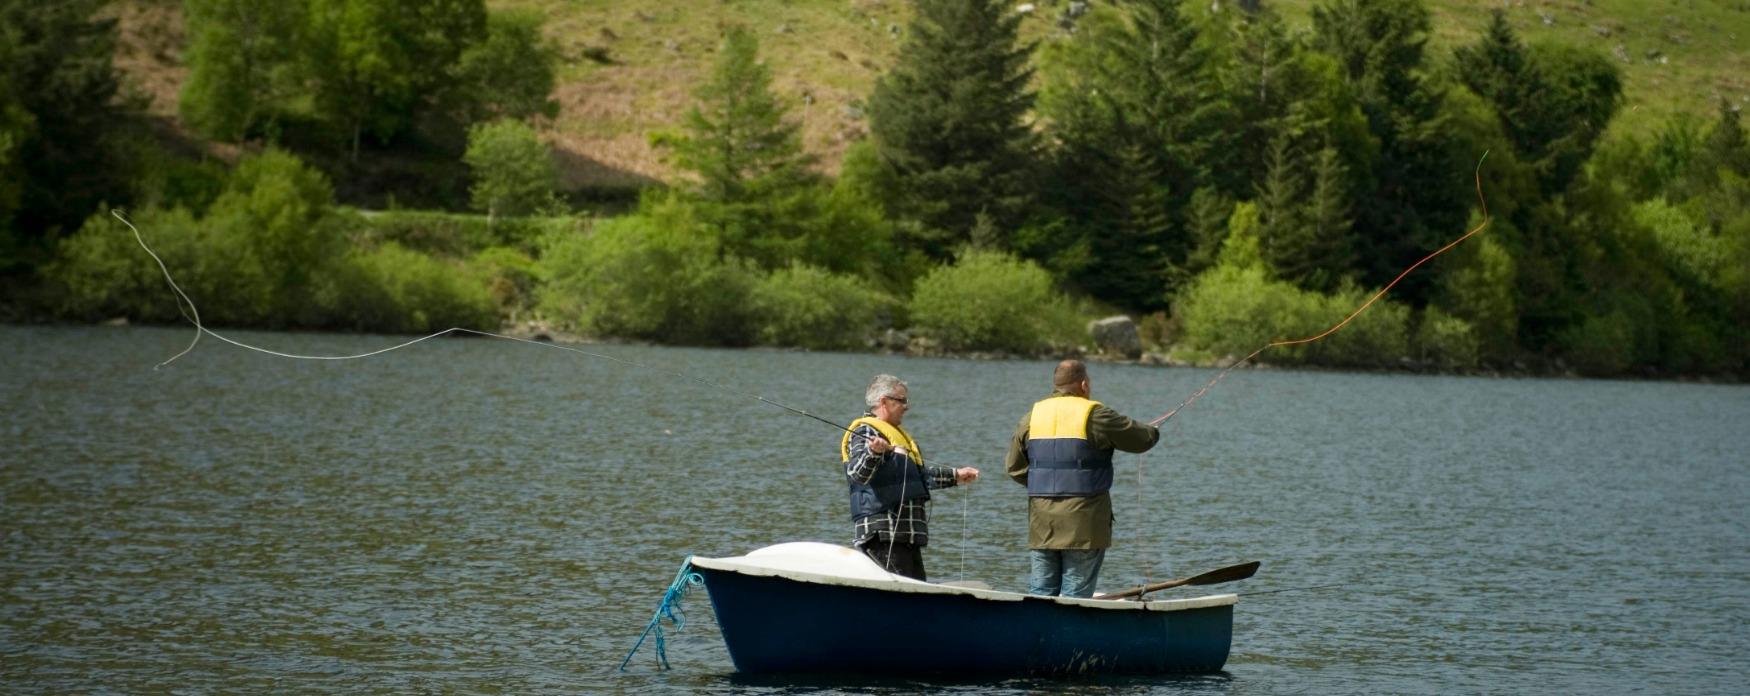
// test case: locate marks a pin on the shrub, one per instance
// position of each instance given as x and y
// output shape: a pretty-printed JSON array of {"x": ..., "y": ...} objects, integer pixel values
[
  {"x": 271, "y": 234},
  {"x": 653, "y": 275},
  {"x": 514, "y": 173},
  {"x": 812, "y": 308},
  {"x": 1233, "y": 310},
  {"x": 1601, "y": 344},
  {"x": 990, "y": 300},
  {"x": 397, "y": 290},
  {"x": 101, "y": 271},
  {"x": 458, "y": 234},
  {"x": 1477, "y": 286},
  {"x": 509, "y": 277},
  {"x": 1446, "y": 340}
]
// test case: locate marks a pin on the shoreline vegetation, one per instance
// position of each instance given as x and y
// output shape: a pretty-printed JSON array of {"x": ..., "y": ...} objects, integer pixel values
[
  {"x": 1166, "y": 359},
  {"x": 1011, "y": 184}
]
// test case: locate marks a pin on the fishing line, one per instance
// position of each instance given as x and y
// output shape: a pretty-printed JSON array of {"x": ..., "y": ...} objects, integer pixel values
[
  {"x": 1382, "y": 291},
  {"x": 1290, "y": 589},
  {"x": 193, "y": 315}
]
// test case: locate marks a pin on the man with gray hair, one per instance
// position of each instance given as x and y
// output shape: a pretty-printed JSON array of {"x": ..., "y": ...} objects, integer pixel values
[
  {"x": 1062, "y": 453},
  {"x": 890, "y": 482}
]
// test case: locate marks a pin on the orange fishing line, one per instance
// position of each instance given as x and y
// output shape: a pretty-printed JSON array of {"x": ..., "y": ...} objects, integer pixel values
[{"x": 1382, "y": 291}]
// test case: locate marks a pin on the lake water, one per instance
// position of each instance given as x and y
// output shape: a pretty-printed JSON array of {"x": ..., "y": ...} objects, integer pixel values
[{"x": 488, "y": 516}]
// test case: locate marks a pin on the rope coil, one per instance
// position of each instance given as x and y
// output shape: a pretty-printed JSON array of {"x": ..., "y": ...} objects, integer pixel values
[{"x": 670, "y": 608}]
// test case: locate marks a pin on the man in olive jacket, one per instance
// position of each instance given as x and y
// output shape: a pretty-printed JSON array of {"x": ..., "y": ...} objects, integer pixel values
[{"x": 1062, "y": 453}]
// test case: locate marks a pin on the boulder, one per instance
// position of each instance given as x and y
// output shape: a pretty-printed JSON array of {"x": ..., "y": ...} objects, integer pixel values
[{"x": 1116, "y": 335}]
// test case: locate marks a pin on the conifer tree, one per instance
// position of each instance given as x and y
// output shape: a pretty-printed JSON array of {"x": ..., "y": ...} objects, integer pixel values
[
  {"x": 950, "y": 123},
  {"x": 1415, "y": 197},
  {"x": 1137, "y": 111},
  {"x": 1552, "y": 103},
  {"x": 1263, "y": 78},
  {"x": 60, "y": 116},
  {"x": 737, "y": 139}
]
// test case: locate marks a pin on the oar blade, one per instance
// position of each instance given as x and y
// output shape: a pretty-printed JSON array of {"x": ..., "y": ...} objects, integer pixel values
[{"x": 1228, "y": 574}]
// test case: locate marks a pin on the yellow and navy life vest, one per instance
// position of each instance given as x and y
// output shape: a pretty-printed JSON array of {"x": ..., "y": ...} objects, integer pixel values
[
  {"x": 1061, "y": 461},
  {"x": 899, "y": 478}
]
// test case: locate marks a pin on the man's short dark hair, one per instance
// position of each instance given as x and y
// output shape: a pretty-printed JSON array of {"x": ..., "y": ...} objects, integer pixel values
[{"x": 1069, "y": 373}]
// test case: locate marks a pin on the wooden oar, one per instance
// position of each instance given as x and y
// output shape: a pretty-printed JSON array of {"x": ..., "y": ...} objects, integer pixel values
[{"x": 1219, "y": 575}]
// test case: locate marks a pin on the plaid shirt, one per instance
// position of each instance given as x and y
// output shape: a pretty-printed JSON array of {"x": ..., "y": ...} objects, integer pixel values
[{"x": 911, "y": 522}]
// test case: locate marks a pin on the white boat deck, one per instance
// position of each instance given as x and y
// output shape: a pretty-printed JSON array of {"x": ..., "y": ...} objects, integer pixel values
[{"x": 830, "y": 564}]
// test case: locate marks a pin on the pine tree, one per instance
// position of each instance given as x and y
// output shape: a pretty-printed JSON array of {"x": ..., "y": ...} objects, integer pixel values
[
  {"x": 60, "y": 121},
  {"x": 1280, "y": 224},
  {"x": 1262, "y": 76},
  {"x": 1141, "y": 123},
  {"x": 1416, "y": 197},
  {"x": 738, "y": 139},
  {"x": 950, "y": 122},
  {"x": 1552, "y": 103}
]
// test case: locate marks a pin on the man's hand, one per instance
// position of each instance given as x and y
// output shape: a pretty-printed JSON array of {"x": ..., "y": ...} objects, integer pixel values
[
  {"x": 879, "y": 445},
  {"x": 965, "y": 474}
]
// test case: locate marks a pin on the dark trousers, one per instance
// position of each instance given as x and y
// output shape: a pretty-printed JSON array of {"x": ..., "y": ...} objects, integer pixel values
[{"x": 897, "y": 557}]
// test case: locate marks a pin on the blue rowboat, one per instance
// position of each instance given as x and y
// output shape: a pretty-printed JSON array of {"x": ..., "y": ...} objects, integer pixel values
[{"x": 808, "y": 607}]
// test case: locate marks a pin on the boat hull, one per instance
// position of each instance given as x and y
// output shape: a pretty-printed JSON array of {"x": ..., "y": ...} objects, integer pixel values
[{"x": 774, "y": 624}]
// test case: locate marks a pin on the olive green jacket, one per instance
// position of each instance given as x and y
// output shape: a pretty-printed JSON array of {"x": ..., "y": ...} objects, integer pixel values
[{"x": 1083, "y": 522}]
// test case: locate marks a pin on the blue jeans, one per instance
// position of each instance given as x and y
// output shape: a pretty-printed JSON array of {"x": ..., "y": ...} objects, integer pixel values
[{"x": 1066, "y": 572}]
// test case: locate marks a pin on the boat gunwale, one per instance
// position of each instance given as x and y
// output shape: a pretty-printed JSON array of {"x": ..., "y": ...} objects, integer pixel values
[{"x": 898, "y": 583}]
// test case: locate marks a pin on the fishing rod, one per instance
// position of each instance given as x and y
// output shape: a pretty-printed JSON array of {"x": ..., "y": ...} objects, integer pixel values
[
  {"x": 1382, "y": 291},
  {"x": 187, "y": 307}
]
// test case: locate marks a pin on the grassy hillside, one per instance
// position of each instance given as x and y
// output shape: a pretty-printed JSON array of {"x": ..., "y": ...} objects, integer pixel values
[{"x": 630, "y": 64}]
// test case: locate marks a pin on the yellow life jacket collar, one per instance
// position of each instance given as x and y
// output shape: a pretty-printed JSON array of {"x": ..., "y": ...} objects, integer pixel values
[{"x": 894, "y": 434}]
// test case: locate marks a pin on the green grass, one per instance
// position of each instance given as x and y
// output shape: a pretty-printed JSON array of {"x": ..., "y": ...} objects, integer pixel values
[
  {"x": 832, "y": 51},
  {"x": 1677, "y": 56}
]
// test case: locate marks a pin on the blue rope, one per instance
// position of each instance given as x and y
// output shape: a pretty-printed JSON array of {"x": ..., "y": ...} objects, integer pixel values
[{"x": 670, "y": 608}]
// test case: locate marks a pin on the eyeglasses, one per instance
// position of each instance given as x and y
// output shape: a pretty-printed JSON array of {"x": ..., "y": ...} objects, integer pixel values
[{"x": 900, "y": 399}]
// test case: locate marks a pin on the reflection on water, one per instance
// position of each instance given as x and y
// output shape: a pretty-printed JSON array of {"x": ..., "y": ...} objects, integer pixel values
[{"x": 479, "y": 515}]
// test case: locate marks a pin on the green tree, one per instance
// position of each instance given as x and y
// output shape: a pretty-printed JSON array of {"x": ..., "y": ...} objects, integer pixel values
[
  {"x": 513, "y": 170},
  {"x": 738, "y": 141},
  {"x": 991, "y": 300},
  {"x": 1552, "y": 102},
  {"x": 243, "y": 64},
  {"x": 753, "y": 186},
  {"x": 16, "y": 126},
  {"x": 510, "y": 73},
  {"x": 950, "y": 123},
  {"x": 275, "y": 209},
  {"x": 1409, "y": 199},
  {"x": 656, "y": 275},
  {"x": 1142, "y": 122},
  {"x": 379, "y": 64},
  {"x": 61, "y": 119}
]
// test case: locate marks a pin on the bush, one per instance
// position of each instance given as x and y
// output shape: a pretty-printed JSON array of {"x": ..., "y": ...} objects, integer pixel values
[
  {"x": 990, "y": 300},
  {"x": 812, "y": 308},
  {"x": 457, "y": 235},
  {"x": 513, "y": 170},
  {"x": 1233, "y": 310},
  {"x": 272, "y": 234},
  {"x": 654, "y": 275},
  {"x": 102, "y": 272},
  {"x": 397, "y": 290},
  {"x": 1600, "y": 345},
  {"x": 509, "y": 277},
  {"x": 1446, "y": 340},
  {"x": 1476, "y": 285}
]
